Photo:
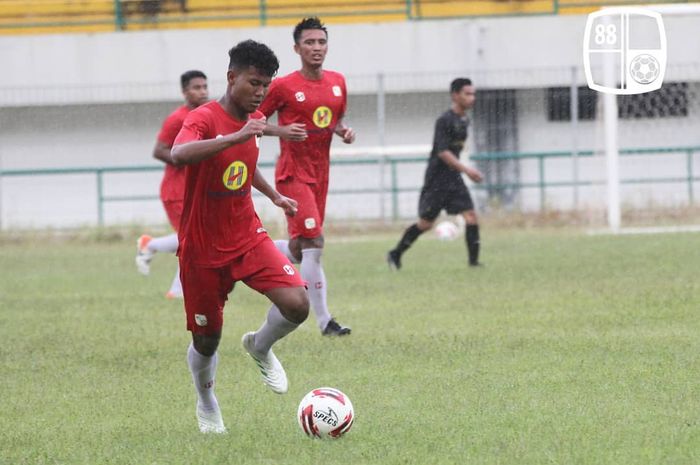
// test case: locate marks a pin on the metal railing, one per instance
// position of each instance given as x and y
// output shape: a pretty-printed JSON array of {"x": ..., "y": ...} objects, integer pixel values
[
  {"x": 394, "y": 162},
  {"x": 541, "y": 184}
]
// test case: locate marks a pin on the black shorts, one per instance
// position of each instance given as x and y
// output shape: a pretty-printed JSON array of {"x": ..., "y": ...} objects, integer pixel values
[{"x": 453, "y": 201}]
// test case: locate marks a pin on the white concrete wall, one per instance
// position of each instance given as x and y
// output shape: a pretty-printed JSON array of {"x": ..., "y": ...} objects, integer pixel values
[
  {"x": 143, "y": 66},
  {"x": 98, "y": 100}
]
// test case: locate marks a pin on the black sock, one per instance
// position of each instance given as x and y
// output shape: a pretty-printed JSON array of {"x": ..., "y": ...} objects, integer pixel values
[
  {"x": 408, "y": 238},
  {"x": 472, "y": 236}
]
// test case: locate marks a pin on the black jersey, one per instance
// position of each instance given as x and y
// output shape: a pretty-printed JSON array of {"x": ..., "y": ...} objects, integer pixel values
[{"x": 450, "y": 134}]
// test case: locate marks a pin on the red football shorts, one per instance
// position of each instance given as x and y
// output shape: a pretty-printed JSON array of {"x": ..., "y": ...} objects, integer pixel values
[
  {"x": 311, "y": 209},
  {"x": 173, "y": 208},
  {"x": 206, "y": 289}
]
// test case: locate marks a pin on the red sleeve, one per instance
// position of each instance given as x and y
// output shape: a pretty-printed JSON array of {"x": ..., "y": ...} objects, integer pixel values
[
  {"x": 273, "y": 101},
  {"x": 195, "y": 127},
  {"x": 171, "y": 126}
]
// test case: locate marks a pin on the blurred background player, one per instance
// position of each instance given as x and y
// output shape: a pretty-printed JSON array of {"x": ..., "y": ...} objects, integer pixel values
[
  {"x": 444, "y": 188},
  {"x": 221, "y": 237},
  {"x": 172, "y": 187},
  {"x": 310, "y": 105}
]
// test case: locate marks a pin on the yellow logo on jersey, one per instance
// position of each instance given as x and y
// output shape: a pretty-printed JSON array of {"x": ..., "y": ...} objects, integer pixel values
[
  {"x": 323, "y": 117},
  {"x": 235, "y": 175}
]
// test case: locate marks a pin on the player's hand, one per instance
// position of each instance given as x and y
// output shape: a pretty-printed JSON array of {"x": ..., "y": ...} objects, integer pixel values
[
  {"x": 348, "y": 135},
  {"x": 288, "y": 205},
  {"x": 253, "y": 127},
  {"x": 474, "y": 174},
  {"x": 295, "y": 132}
]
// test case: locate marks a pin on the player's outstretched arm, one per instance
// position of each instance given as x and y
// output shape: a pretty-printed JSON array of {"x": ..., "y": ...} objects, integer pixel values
[
  {"x": 294, "y": 131},
  {"x": 199, "y": 150},
  {"x": 285, "y": 203},
  {"x": 453, "y": 162}
]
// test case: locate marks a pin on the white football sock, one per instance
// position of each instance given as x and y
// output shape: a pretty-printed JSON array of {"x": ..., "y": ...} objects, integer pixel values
[
  {"x": 203, "y": 371},
  {"x": 274, "y": 328},
  {"x": 312, "y": 273},
  {"x": 176, "y": 286},
  {"x": 163, "y": 244},
  {"x": 283, "y": 246}
]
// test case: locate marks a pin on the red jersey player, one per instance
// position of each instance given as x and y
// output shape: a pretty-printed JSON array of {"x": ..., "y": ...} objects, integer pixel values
[
  {"x": 310, "y": 104},
  {"x": 172, "y": 187},
  {"x": 221, "y": 237}
]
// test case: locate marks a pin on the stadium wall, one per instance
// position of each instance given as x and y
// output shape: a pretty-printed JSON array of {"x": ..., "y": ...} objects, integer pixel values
[{"x": 98, "y": 99}]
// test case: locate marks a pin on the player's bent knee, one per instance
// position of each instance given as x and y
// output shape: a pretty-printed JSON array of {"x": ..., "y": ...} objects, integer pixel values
[
  {"x": 299, "y": 315},
  {"x": 295, "y": 249},
  {"x": 296, "y": 306},
  {"x": 206, "y": 344},
  {"x": 424, "y": 224},
  {"x": 311, "y": 242},
  {"x": 470, "y": 217}
]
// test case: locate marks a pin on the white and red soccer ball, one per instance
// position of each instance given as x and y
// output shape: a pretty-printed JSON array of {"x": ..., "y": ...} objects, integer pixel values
[
  {"x": 325, "y": 413},
  {"x": 446, "y": 231}
]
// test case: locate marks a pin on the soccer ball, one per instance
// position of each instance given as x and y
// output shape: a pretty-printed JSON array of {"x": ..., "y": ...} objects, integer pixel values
[
  {"x": 644, "y": 68},
  {"x": 446, "y": 231},
  {"x": 325, "y": 413}
]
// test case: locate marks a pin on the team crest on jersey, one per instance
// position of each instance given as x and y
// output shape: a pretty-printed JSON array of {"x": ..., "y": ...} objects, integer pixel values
[
  {"x": 309, "y": 223},
  {"x": 235, "y": 175},
  {"x": 323, "y": 117},
  {"x": 300, "y": 96},
  {"x": 337, "y": 91}
]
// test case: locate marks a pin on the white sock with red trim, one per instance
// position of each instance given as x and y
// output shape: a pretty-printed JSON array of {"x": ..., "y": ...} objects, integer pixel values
[
  {"x": 163, "y": 244},
  {"x": 275, "y": 327},
  {"x": 203, "y": 371},
  {"x": 312, "y": 273}
]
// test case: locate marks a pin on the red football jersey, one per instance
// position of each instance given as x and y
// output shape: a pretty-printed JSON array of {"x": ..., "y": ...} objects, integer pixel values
[
  {"x": 172, "y": 187},
  {"x": 219, "y": 222},
  {"x": 319, "y": 105}
]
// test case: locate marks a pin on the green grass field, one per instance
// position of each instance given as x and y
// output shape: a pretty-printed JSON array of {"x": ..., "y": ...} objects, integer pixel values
[{"x": 564, "y": 349}]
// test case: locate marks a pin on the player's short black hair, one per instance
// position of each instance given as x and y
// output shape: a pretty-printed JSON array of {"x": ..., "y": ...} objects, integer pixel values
[
  {"x": 308, "y": 23},
  {"x": 187, "y": 76},
  {"x": 251, "y": 53},
  {"x": 457, "y": 84}
]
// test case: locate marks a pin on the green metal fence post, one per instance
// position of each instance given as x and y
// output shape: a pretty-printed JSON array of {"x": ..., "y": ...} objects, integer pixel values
[
  {"x": 118, "y": 16},
  {"x": 540, "y": 160},
  {"x": 689, "y": 159},
  {"x": 263, "y": 12},
  {"x": 409, "y": 10},
  {"x": 100, "y": 200}
]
